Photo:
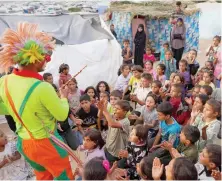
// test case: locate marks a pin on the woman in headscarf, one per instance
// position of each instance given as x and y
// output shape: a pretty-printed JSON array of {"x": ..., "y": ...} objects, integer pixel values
[
  {"x": 178, "y": 35},
  {"x": 140, "y": 43}
]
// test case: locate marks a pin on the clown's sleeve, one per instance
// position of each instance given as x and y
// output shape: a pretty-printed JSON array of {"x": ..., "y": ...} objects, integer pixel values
[
  {"x": 59, "y": 108},
  {"x": 3, "y": 109}
]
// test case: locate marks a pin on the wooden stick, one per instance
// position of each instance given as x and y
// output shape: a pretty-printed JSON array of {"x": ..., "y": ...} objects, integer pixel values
[{"x": 63, "y": 86}]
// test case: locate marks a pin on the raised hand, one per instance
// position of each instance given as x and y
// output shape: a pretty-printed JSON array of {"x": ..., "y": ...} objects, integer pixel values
[
  {"x": 167, "y": 145},
  {"x": 157, "y": 169},
  {"x": 175, "y": 153},
  {"x": 216, "y": 174},
  {"x": 123, "y": 154},
  {"x": 188, "y": 100}
]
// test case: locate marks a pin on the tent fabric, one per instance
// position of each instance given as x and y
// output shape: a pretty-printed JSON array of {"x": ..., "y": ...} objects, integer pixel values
[
  {"x": 102, "y": 57},
  {"x": 71, "y": 29},
  {"x": 158, "y": 30}
]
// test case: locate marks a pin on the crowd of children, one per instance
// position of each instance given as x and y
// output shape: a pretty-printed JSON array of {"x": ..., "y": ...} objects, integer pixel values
[{"x": 153, "y": 118}]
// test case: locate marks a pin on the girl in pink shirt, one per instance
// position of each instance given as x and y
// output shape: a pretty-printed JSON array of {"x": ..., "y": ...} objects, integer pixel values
[
  {"x": 64, "y": 74},
  {"x": 218, "y": 67},
  {"x": 148, "y": 56}
]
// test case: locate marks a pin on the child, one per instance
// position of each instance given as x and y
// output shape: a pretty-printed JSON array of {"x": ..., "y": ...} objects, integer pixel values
[
  {"x": 160, "y": 73},
  {"x": 118, "y": 129},
  {"x": 47, "y": 77},
  {"x": 123, "y": 79},
  {"x": 144, "y": 168},
  {"x": 102, "y": 86},
  {"x": 187, "y": 148},
  {"x": 93, "y": 145},
  {"x": 193, "y": 64},
  {"x": 148, "y": 56},
  {"x": 178, "y": 169},
  {"x": 115, "y": 96},
  {"x": 217, "y": 71},
  {"x": 135, "y": 151},
  {"x": 206, "y": 89},
  {"x": 12, "y": 166},
  {"x": 148, "y": 68},
  {"x": 209, "y": 65},
  {"x": 179, "y": 79},
  {"x": 88, "y": 113},
  {"x": 64, "y": 74},
  {"x": 170, "y": 64},
  {"x": 127, "y": 53},
  {"x": 163, "y": 51},
  {"x": 198, "y": 77},
  {"x": 208, "y": 124},
  {"x": 209, "y": 161},
  {"x": 169, "y": 129},
  {"x": 180, "y": 109},
  {"x": 140, "y": 93},
  {"x": 91, "y": 92},
  {"x": 156, "y": 85},
  {"x": 195, "y": 91},
  {"x": 112, "y": 29},
  {"x": 183, "y": 71},
  {"x": 212, "y": 50},
  {"x": 149, "y": 115},
  {"x": 74, "y": 95},
  {"x": 96, "y": 169},
  {"x": 135, "y": 79}
]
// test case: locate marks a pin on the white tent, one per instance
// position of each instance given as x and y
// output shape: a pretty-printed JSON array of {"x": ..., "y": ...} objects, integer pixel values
[{"x": 102, "y": 57}]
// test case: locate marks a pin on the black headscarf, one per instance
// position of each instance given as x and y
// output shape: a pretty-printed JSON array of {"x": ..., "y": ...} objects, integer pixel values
[{"x": 139, "y": 37}]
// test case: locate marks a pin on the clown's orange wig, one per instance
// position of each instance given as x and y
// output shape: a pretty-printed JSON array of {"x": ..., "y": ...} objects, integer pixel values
[{"x": 25, "y": 46}]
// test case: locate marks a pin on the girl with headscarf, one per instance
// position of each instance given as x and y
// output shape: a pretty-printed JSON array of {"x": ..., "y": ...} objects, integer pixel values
[
  {"x": 178, "y": 35},
  {"x": 140, "y": 43}
]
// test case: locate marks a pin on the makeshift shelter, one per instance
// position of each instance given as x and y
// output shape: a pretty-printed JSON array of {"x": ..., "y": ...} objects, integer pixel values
[
  {"x": 87, "y": 41},
  {"x": 155, "y": 15}
]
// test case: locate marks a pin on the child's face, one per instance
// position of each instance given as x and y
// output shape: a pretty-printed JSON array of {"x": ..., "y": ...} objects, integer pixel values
[
  {"x": 204, "y": 159},
  {"x": 88, "y": 144},
  {"x": 49, "y": 79},
  {"x": 174, "y": 92},
  {"x": 3, "y": 140},
  {"x": 85, "y": 105},
  {"x": 178, "y": 8},
  {"x": 176, "y": 80},
  {"x": 148, "y": 51},
  {"x": 126, "y": 44},
  {"x": 150, "y": 103},
  {"x": 145, "y": 83},
  {"x": 169, "y": 170},
  {"x": 182, "y": 67},
  {"x": 162, "y": 117},
  {"x": 208, "y": 65},
  {"x": 140, "y": 29},
  {"x": 159, "y": 70},
  {"x": 72, "y": 85},
  {"x": 126, "y": 71},
  {"x": 206, "y": 78},
  {"x": 183, "y": 138},
  {"x": 166, "y": 47},
  {"x": 179, "y": 23},
  {"x": 195, "y": 92},
  {"x": 112, "y": 27},
  {"x": 119, "y": 112},
  {"x": 103, "y": 96},
  {"x": 133, "y": 138},
  {"x": 113, "y": 100},
  {"x": 66, "y": 71},
  {"x": 136, "y": 74},
  {"x": 155, "y": 89},
  {"x": 192, "y": 55},
  {"x": 203, "y": 91},
  {"x": 198, "y": 104},
  {"x": 208, "y": 112},
  {"x": 168, "y": 55},
  {"x": 215, "y": 42},
  {"x": 148, "y": 65},
  {"x": 91, "y": 93},
  {"x": 102, "y": 87}
]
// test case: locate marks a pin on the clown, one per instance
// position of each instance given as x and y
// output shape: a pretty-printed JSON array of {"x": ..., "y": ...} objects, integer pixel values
[{"x": 32, "y": 103}]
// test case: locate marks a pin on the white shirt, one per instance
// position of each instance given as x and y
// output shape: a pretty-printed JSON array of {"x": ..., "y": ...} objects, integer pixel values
[
  {"x": 122, "y": 83},
  {"x": 141, "y": 94}
]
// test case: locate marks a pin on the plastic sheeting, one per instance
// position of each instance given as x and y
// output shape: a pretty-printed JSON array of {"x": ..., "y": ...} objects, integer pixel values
[{"x": 102, "y": 57}]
